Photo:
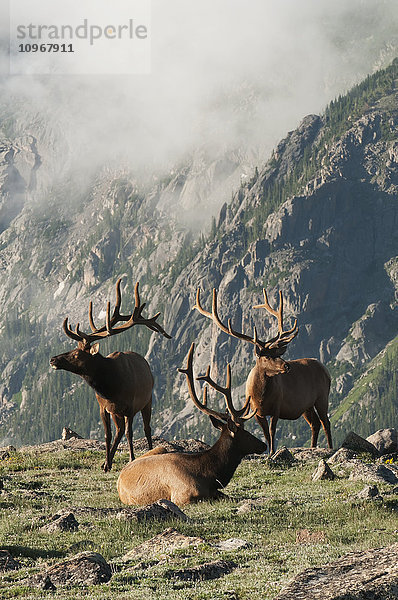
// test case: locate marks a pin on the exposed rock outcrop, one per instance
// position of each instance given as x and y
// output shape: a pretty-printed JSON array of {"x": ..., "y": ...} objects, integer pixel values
[
  {"x": 369, "y": 575},
  {"x": 87, "y": 568}
]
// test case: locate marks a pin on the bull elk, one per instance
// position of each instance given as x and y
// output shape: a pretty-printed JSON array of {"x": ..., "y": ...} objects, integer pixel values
[
  {"x": 182, "y": 477},
  {"x": 122, "y": 381},
  {"x": 277, "y": 388}
]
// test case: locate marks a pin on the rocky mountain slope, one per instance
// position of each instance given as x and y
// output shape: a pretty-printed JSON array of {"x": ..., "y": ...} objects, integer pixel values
[{"x": 319, "y": 221}]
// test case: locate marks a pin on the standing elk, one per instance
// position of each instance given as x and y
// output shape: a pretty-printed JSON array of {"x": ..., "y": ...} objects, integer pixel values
[
  {"x": 182, "y": 477},
  {"x": 122, "y": 381},
  {"x": 277, "y": 388}
]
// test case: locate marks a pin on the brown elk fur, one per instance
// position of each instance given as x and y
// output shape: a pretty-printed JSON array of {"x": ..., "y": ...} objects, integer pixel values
[
  {"x": 184, "y": 478},
  {"x": 289, "y": 390},
  {"x": 123, "y": 384}
]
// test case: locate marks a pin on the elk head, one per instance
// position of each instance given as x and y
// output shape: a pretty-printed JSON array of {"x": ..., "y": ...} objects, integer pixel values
[
  {"x": 77, "y": 360},
  {"x": 268, "y": 353},
  {"x": 231, "y": 422}
]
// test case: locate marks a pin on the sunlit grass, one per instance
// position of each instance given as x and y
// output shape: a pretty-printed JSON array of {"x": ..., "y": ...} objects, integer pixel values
[{"x": 38, "y": 486}]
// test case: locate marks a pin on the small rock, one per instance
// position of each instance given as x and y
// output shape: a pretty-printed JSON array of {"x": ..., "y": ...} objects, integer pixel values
[
  {"x": 250, "y": 506},
  {"x": 87, "y": 568},
  {"x": 385, "y": 440},
  {"x": 232, "y": 544},
  {"x": 165, "y": 542},
  {"x": 283, "y": 456},
  {"x": 369, "y": 492},
  {"x": 47, "y": 584},
  {"x": 323, "y": 472},
  {"x": 160, "y": 510},
  {"x": 211, "y": 570},
  {"x": 68, "y": 434},
  {"x": 66, "y": 522},
  {"x": 359, "y": 444},
  {"x": 342, "y": 455}
]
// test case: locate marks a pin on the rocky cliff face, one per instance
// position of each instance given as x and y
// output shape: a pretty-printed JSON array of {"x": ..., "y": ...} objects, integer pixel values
[
  {"x": 319, "y": 222},
  {"x": 331, "y": 250}
]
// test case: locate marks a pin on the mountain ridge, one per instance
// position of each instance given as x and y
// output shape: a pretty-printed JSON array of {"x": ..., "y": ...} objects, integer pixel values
[{"x": 318, "y": 221}]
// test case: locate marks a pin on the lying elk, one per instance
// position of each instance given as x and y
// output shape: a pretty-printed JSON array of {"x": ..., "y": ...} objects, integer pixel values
[
  {"x": 122, "y": 381},
  {"x": 277, "y": 388},
  {"x": 182, "y": 477}
]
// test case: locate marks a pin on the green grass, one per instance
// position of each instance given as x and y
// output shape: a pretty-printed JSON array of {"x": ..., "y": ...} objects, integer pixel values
[{"x": 37, "y": 486}]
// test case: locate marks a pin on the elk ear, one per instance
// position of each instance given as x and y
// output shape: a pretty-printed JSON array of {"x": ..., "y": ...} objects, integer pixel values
[
  {"x": 94, "y": 349},
  {"x": 257, "y": 350},
  {"x": 232, "y": 427},
  {"x": 217, "y": 423}
]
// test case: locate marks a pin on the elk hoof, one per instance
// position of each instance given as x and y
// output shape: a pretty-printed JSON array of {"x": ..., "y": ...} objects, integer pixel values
[{"x": 106, "y": 468}]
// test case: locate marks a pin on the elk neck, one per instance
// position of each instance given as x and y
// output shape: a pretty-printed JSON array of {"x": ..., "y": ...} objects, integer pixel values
[
  {"x": 101, "y": 376},
  {"x": 224, "y": 458}
]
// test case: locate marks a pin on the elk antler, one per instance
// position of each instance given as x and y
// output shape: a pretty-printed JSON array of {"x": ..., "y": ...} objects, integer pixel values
[
  {"x": 236, "y": 415},
  {"x": 282, "y": 339},
  {"x": 214, "y": 316},
  {"x": 135, "y": 318},
  {"x": 277, "y": 344}
]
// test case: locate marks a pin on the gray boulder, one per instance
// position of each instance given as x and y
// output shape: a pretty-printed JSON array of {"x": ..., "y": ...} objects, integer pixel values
[
  {"x": 342, "y": 455},
  {"x": 69, "y": 434},
  {"x": 359, "y": 444},
  {"x": 283, "y": 457},
  {"x": 161, "y": 510},
  {"x": 323, "y": 471},
  {"x": 63, "y": 522},
  {"x": 385, "y": 440},
  {"x": 87, "y": 568}
]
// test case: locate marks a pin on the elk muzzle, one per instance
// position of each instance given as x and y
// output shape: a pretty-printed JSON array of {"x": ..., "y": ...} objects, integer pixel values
[
  {"x": 55, "y": 362},
  {"x": 63, "y": 361}
]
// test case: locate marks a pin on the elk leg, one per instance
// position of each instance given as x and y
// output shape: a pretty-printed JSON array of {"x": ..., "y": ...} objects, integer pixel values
[
  {"x": 323, "y": 415},
  {"x": 129, "y": 435},
  {"x": 326, "y": 428},
  {"x": 262, "y": 421},
  {"x": 313, "y": 421},
  {"x": 119, "y": 423},
  {"x": 106, "y": 420},
  {"x": 272, "y": 428},
  {"x": 146, "y": 417}
]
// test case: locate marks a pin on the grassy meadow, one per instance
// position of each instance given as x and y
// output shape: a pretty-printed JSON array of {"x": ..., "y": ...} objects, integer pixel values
[{"x": 39, "y": 485}]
